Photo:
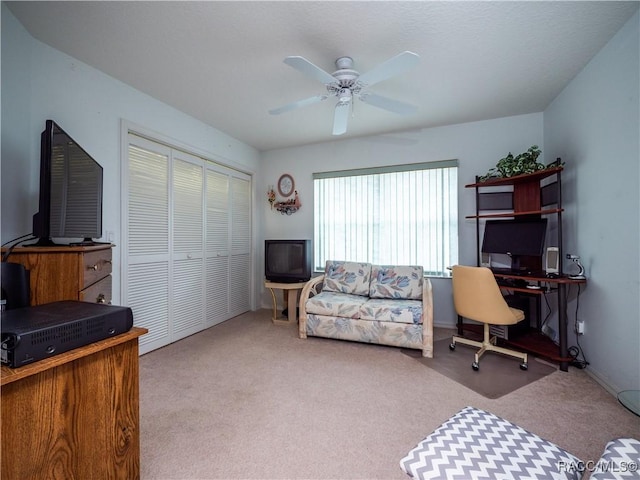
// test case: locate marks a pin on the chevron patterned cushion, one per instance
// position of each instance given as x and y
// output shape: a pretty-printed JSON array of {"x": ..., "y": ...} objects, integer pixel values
[
  {"x": 620, "y": 460},
  {"x": 474, "y": 445}
]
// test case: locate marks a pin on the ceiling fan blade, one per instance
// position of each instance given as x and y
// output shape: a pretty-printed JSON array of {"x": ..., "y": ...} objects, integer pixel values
[
  {"x": 305, "y": 66},
  {"x": 392, "y": 67},
  {"x": 298, "y": 104},
  {"x": 389, "y": 104},
  {"x": 341, "y": 117}
]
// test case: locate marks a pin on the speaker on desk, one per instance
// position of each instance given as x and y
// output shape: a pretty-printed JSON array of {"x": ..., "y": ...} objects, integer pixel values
[
  {"x": 552, "y": 261},
  {"x": 14, "y": 280},
  {"x": 485, "y": 260}
]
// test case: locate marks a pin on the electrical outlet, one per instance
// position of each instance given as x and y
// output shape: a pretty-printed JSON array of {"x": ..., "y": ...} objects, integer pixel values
[{"x": 580, "y": 327}]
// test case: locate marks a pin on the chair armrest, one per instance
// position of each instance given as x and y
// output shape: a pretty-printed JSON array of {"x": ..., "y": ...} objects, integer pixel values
[
  {"x": 427, "y": 318},
  {"x": 312, "y": 287}
]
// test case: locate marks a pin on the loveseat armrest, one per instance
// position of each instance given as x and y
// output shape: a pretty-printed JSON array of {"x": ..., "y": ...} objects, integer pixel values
[
  {"x": 312, "y": 287},
  {"x": 427, "y": 318}
]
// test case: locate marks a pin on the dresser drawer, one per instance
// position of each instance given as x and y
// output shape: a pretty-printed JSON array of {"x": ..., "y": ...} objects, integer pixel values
[
  {"x": 99, "y": 292},
  {"x": 96, "y": 265}
]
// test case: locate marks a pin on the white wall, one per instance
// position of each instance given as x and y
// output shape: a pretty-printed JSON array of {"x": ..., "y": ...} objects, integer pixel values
[
  {"x": 478, "y": 146},
  {"x": 19, "y": 161},
  {"x": 594, "y": 125},
  {"x": 39, "y": 83}
]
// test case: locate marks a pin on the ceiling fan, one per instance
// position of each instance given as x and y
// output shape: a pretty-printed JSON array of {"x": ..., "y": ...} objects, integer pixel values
[{"x": 346, "y": 83}]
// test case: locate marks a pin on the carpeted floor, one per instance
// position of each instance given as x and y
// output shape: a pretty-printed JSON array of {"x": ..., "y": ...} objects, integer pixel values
[
  {"x": 498, "y": 375},
  {"x": 248, "y": 399}
]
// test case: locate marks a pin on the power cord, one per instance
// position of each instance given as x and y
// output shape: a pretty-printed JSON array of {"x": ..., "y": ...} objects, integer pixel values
[
  {"x": 548, "y": 315},
  {"x": 546, "y": 319},
  {"x": 18, "y": 238},
  {"x": 576, "y": 351},
  {"x": 18, "y": 241}
]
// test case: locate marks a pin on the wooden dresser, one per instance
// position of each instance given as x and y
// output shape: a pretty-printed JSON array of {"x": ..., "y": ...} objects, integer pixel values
[
  {"x": 67, "y": 272},
  {"x": 74, "y": 415}
]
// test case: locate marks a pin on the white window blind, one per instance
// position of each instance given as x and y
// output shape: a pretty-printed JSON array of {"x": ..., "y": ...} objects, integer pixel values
[{"x": 398, "y": 215}]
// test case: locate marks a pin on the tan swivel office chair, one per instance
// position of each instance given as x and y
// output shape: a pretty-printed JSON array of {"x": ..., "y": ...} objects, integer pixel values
[{"x": 476, "y": 296}]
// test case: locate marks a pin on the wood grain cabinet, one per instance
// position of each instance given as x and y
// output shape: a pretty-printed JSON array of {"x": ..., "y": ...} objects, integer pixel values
[
  {"x": 67, "y": 272},
  {"x": 74, "y": 415}
]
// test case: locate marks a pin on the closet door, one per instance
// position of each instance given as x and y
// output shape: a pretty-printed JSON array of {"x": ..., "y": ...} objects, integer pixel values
[
  {"x": 187, "y": 248},
  {"x": 145, "y": 279},
  {"x": 240, "y": 261},
  {"x": 187, "y": 259},
  {"x": 217, "y": 250}
]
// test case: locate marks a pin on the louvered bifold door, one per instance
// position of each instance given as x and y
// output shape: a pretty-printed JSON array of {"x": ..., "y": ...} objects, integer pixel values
[
  {"x": 187, "y": 248},
  {"x": 187, "y": 276},
  {"x": 146, "y": 250},
  {"x": 240, "y": 261},
  {"x": 217, "y": 247}
]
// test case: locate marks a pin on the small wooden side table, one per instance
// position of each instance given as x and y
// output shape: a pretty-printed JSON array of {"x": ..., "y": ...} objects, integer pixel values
[{"x": 291, "y": 299}]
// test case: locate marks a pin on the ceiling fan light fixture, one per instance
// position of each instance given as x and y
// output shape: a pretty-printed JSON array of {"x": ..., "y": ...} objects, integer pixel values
[
  {"x": 345, "y": 83},
  {"x": 345, "y": 95}
]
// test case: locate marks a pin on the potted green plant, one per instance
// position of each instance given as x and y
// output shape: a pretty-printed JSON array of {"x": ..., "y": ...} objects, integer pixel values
[{"x": 509, "y": 166}]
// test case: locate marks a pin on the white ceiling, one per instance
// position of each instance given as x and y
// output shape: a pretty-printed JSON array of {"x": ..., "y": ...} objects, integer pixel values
[{"x": 222, "y": 62}]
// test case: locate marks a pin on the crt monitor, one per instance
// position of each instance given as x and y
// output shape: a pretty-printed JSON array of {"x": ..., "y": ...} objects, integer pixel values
[{"x": 287, "y": 261}]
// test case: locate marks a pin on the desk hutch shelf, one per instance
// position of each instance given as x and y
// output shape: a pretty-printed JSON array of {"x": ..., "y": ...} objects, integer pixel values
[
  {"x": 528, "y": 196},
  {"x": 532, "y": 195}
]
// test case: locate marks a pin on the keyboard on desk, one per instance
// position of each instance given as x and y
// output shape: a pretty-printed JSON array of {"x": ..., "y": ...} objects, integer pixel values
[
  {"x": 511, "y": 282},
  {"x": 519, "y": 273},
  {"x": 502, "y": 271}
]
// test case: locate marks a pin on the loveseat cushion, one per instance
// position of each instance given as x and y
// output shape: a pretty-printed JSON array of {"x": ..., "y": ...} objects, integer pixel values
[
  {"x": 381, "y": 333},
  {"x": 388, "y": 310},
  {"x": 335, "y": 304},
  {"x": 392, "y": 281},
  {"x": 347, "y": 277}
]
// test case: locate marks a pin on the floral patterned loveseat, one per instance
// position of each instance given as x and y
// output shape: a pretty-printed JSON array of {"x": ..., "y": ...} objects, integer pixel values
[{"x": 383, "y": 304}]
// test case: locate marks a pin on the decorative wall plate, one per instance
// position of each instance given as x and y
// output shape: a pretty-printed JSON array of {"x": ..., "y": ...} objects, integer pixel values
[{"x": 286, "y": 185}]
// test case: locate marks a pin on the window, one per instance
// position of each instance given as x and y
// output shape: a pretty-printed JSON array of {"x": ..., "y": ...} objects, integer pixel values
[{"x": 397, "y": 215}]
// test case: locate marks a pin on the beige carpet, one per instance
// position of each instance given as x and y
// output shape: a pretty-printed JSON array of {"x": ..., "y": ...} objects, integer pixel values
[
  {"x": 247, "y": 399},
  {"x": 497, "y": 376}
]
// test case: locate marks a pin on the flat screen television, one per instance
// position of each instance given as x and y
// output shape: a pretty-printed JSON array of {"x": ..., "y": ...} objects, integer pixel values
[
  {"x": 287, "y": 261},
  {"x": 70, "y": 196},
  {"x": 517, "y": 238}
]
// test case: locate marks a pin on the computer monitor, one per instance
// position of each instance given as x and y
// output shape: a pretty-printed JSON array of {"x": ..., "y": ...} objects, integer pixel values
[{"x": 516, "y": 238}]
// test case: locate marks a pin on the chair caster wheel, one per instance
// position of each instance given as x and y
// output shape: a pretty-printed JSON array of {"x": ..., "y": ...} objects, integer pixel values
[
  {"x": 452, "y": 346},
  {"x": 524, "y": 366},
  {"x": 475, "y": 366}
]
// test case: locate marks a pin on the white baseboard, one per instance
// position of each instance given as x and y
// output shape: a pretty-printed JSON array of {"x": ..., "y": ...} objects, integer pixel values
[{"x": 612, "y": 389}]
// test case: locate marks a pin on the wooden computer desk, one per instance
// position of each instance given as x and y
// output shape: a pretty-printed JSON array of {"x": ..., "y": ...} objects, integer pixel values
[{"x": 534, "y": 341}]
